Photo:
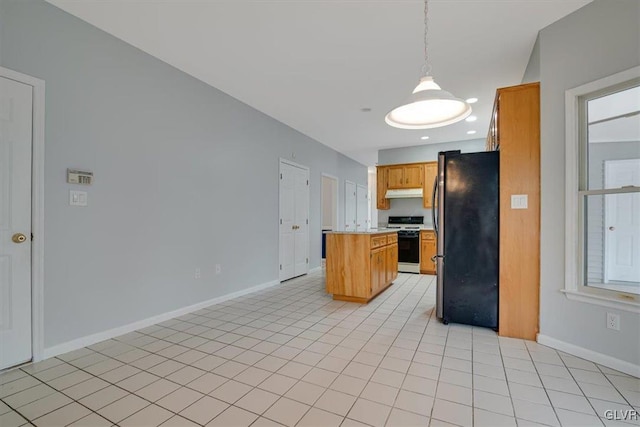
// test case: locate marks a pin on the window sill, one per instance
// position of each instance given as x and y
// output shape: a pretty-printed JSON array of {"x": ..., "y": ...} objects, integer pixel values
[{"x": 604, "y": 301}]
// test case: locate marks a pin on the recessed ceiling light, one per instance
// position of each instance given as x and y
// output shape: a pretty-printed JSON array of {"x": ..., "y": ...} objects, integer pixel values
[
  {"x": 471, "y": 119},
  {"x": 472, "y": 100},
  {"x": 365, "y": 110},
  {"x": 424, "y": 137},
  {"x": 471, "y": 132}
]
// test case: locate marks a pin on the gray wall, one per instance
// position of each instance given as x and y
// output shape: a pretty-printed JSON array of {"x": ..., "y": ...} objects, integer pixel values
[
  {"x": 427, "y": 152},
  {"x": 598, "y": 40},
  {"x": 185, "y": 177},
  {"x": 419, "y": 153},
  {"x": 532, "y": 73}
]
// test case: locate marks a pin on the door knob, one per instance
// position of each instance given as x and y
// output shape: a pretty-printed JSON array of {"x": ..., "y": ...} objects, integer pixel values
[
  {"x": 612, "y": 228},
  {"x": 19, "y": 238}
]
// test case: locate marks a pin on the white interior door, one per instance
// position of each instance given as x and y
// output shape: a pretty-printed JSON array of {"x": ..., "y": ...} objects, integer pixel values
[
  {"x": 362, "y": 208},
  {"x": 301, "y": 250},
  {"x": 15, "y": 222},
  {"x": 622, "y": 222},
  {"x": 294, "y": 221},
  {"x": 329, "y": 203},
  {"x": 350, "y": 206}
]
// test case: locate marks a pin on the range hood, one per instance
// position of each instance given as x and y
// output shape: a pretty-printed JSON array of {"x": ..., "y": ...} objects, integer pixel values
[{"x": 404, "y": 194}]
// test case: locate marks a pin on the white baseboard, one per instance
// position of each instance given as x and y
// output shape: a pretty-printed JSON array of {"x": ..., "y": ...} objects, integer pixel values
[
  {"x": 315, "y": 269},
  {"x": 125, "y": 329},
  {"x": 593, "y": 356}
]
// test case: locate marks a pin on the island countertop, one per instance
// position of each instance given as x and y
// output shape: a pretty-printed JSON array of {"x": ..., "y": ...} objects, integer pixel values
[{"x": 372, "y": 231}]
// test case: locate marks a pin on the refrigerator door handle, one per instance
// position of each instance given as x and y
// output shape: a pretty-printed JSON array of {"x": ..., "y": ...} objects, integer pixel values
[{"x": 433, "y": 205}]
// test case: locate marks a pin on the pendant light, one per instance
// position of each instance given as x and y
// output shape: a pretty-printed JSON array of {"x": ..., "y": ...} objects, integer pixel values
[{"x": 428, "y": 106}]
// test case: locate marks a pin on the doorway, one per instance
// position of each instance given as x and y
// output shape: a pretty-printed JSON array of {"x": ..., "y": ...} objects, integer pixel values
[
  {"x": 350, "y": 206},
  {"x": 362, "y": 208},
  {"x": 21, "y": 217},
  {"x": 294, "y": 220}
]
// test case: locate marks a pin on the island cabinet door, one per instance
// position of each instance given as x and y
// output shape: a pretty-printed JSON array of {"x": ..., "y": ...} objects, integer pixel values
[
  {"x": 391, "y": 263},
  {"x": 377, "y": 269}
]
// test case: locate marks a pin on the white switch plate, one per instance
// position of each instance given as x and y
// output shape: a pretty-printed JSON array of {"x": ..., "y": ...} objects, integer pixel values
[
  {"x": 519, "y": 201},
  {"x": 78, "y": 198}
]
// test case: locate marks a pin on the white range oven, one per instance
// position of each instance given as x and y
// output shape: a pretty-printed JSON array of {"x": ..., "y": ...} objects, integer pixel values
[{"x": 408, "y": 241}]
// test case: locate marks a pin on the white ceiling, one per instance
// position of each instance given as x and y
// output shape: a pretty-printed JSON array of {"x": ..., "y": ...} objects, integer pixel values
[{"x": 314, "y": 64}]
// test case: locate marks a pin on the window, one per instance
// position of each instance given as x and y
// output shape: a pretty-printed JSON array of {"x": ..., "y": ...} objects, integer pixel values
[{"x": 603, "y": 191}]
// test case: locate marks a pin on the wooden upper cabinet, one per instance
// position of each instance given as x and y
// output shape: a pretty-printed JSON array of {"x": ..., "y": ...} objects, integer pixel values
[
  {"x": 413, "y": 176},
  {"x": 430, "y": 173},
  {"x": 395, "y": 177},
  {"x": 381, "y": 188},
  {"x": 405, "y": 176}
]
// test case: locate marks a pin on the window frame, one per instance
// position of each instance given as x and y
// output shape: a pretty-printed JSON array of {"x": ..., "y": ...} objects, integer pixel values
[{"x": 576, "y": 176}]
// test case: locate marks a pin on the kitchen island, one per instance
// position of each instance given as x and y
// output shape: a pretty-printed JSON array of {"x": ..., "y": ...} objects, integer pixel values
[{"x": 360, "y": 265}]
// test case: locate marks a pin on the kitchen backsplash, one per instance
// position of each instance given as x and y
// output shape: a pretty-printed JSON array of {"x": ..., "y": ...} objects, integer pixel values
[{"x": 404, "y": 207}]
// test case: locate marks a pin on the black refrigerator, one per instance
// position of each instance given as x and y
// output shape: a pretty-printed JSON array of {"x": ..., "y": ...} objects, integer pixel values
[{"x": 466, "y": 219}]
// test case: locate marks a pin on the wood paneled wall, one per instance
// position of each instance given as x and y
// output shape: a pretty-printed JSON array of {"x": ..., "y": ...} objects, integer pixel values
[{"x": 517, "y": 111}]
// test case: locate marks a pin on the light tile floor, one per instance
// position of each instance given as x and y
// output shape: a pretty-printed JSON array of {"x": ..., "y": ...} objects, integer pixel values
[{"x": 292, "y": 356}]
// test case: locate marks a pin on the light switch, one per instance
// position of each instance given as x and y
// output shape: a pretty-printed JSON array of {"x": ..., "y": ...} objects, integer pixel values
[
  {"x": 519, "y": 201},
  {"x": 78, "y": 198}
]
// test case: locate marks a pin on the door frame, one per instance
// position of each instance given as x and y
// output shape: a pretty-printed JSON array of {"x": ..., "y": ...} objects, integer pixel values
[
  {"x": 37, "y": 209},
  {"x": 297, "y": 165},
  {"x": 336, "y": 199},
  {"x": 368, "y": 216},
  {"x": 355, "y": 186}
]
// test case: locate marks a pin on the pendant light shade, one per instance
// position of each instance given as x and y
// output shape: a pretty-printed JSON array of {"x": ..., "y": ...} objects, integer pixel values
[{"x": 428, "y": 106}]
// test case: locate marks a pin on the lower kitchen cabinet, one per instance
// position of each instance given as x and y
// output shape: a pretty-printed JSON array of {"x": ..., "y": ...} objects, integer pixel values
[
  {"x": 360, "y": 265},
  {"x": 427, "y": 251},
  {"x": 392, "y": 261}
]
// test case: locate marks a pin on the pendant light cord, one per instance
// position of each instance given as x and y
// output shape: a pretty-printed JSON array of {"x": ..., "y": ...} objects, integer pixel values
[{"x": 426, "y": 67}]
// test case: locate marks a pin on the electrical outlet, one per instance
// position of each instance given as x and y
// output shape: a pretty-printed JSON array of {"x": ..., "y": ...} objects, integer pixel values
[
  {"x": 218, "y": 269},
  {"x": 197, "y": 274},
  {"x": 613, "y": 321}
]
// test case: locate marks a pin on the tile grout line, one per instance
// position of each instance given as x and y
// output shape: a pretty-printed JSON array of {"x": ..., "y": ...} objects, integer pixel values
[{"x": 297, "y": 305}]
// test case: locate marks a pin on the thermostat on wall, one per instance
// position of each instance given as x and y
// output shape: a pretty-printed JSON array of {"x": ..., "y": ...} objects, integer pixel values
[{"x": 75, "y": 176}]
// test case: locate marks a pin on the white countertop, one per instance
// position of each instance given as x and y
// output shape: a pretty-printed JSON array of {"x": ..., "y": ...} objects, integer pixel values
[{"x": 370, "y": 231}]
